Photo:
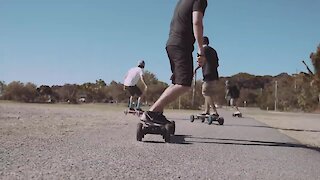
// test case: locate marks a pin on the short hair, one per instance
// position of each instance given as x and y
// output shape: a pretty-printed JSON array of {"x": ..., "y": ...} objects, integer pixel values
[{"x": 205, "y": 40}]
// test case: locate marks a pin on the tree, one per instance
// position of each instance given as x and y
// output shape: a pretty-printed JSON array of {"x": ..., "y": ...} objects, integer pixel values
[
  {"x": 116, "y": 91},
  {"x": 100, "y": 83},
  {"x": 45, "y": 94},
  {"x": 155, "y": 87},
  {"x": 2, "y": 87},
  {"x": 315, "y": 59},
  {"x": 17, "y": 91},
  {"x": 67, "y": 92},
  {"x": 29, "y": 92}
]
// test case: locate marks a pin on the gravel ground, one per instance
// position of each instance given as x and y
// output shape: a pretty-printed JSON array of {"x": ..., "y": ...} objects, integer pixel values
[{"x": 40, "y": 141}]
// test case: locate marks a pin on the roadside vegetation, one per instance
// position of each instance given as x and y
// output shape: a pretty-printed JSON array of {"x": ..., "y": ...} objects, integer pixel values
[{"x": 297, "y": 92}]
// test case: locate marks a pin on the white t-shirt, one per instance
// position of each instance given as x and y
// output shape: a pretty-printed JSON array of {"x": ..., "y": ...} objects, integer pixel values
[{"x": 132, "y": 77}]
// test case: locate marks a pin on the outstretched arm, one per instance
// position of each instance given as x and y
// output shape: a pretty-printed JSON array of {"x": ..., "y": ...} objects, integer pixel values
[
  {"x": 198, "y": 34},
  {"x": 143, "y": 82}
]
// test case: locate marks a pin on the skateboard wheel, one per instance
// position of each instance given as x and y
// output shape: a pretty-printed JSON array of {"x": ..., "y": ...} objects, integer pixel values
[
  {"x": 220, "y": 120},
  {"x": 203, "y": 119},
  {"x": 139, "y": 132},
  {"x": 172, "y": 128},
  {"x": 192, "y": 118},
  {"x": 167, "y": 138},
  {"x": 166, "y": 133},
  {"x": 210, "y": 119}
]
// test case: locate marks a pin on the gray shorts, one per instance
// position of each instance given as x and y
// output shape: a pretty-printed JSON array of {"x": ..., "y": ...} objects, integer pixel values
[{"x": 208, "y": 88}]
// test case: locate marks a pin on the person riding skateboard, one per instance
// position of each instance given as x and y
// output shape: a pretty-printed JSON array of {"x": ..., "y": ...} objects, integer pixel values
[
  {"x": 232, "y": 94},
  {"x": 130, "y": 84},
  {"x": 186, "y": 28},
  {"x": 210, "y": 75}
]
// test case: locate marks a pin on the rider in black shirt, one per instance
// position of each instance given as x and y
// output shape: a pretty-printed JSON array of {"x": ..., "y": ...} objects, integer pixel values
[{"x": 210, "y": 75}]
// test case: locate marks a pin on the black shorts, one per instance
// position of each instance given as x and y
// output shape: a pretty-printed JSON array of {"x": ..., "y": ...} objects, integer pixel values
[
  {"x": 181, "y": 62},
  {"x": 134, "y": 90}
]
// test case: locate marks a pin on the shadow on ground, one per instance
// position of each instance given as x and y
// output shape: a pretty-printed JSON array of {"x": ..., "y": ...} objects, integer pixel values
[
  {"x": 188, "y": 139},
  {"x": 284, "y": 129}
]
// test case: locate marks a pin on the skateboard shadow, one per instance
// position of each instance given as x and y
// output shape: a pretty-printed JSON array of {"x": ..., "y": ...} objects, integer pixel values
[
  {"x": 243, "y": 142},
  {"x": 180, "y": 139},
  {"x": 284, "y": 129},
  {"x": 175, "y": 139},
  {"x": 154, "y": 142}
]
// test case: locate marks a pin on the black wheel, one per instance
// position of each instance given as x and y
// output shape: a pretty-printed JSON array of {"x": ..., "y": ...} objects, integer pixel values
[
  {"x": 139, "y": 132},
  {"x": 203, "y": 119},
  {"x": 172, "y": 127},
  {"x": 210, "y": 119},
  {"x": 166, "y": 134},
  {"x": 220, "y": 120},
  {"x": 167, "y": 138},
  {"x": 192, "y": 118}
]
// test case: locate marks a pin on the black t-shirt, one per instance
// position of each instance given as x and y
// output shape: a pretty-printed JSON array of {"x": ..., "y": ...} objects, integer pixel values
[
  {"x": 233, "y": 91},
  {"x": 210, "y": 68},
  {"x": 181, "y": 27}
]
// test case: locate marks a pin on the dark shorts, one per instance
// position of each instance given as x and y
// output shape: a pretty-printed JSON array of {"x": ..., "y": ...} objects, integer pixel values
[
  {"x": 181, "y": 62},
  {"x": 134, "y": 90}
]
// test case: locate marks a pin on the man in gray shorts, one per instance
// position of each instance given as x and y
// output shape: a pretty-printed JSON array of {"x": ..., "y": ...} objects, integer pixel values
[
  {"x": 186, "y": 28},
  {"x": 210, "y": 75}
]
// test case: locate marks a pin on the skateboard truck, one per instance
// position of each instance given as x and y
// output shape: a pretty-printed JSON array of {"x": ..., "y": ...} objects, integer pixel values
[{"x": 210, "y": 118}]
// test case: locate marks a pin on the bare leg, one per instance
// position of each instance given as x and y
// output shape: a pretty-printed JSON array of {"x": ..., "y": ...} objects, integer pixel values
[
  {"x": 206, "y": 105},
  {"x": 138, "y": 103},
  {"x": 210, "y": 101},
  {"x": 168, "y": 96},
  {"x": 235, "y": 106},
  {"x": 130, "y": 102}
]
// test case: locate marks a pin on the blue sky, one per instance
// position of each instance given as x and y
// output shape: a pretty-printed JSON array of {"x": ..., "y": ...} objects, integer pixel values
[{"x": 55, "y": 42}]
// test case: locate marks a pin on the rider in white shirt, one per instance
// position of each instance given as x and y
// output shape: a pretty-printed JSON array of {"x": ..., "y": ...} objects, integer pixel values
[{"x": 130, "y": 83}]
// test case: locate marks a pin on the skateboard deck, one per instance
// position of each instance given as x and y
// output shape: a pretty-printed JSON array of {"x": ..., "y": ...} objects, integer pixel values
[{"x": 134, "y": 112}]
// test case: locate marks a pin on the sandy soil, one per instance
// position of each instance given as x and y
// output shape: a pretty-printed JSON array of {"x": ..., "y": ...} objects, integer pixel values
[{"x": 304, "y": 127}]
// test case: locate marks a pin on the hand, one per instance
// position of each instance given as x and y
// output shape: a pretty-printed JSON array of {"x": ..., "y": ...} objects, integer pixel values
[{"x": 201, "y": 60}]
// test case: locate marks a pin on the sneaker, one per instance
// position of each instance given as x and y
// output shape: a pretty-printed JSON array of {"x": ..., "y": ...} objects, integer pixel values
[
  {"x": 131, "y": 109},
  {"x": 154, "y": 117}
]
